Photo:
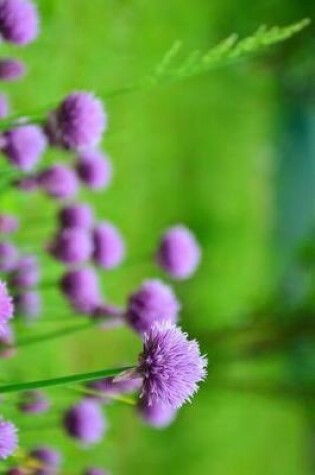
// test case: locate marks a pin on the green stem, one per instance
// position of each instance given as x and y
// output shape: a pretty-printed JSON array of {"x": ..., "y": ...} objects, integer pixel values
[{"x": 65, "y": 380}]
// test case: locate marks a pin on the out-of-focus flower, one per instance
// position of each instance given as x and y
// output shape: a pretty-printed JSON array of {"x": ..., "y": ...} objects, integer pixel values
[
  {"x": 8, "y": 223},
  {"x": 153, "y": 302},
  {"x": 94, "y": 169},
  {"x": 8, "y": 256},
  {"x": 96, "y": 471},
  {"x": 49, "y": 459},
  {"x": 59, "y": 181},
  {"x": 28, "y": 305},
  {"x": 11, "y": 69},
  {"x": 78, "y": 215},
  {"x": 72, "y": 246},
  {"x": 7, "y": 340},
  {"x": 109, "y": 246},
  {"x": 85, "y": 422},
  {"x": 78, "y": 122},
  {"x": 4, "y": 106},
  {"x": 171, "y": 366},
  {"x": 26, "y": 273},
  {"x": 81, "y": 287},
  {"x": 8, "y": 439},
  {"x": 34, "y": 402},
  {"x": 24, "y": 146},
  {"x": 19, "y": 21},
  {"x": 179, "y": 253},
  {"x": 6, "y": 305},
  {"x": 156, "y": 415}
]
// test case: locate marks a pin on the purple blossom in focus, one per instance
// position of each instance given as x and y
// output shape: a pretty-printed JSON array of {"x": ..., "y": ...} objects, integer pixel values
[
  {"x": 179, "y": 253},
  {"x": 34, "y": 402},
  {"x": 8, "y": 439},
  {"x": 24, "y": 146},
  {"x": 94, "y": 169},
  {"x": 85, "y": 422},
  {"x": 8, "y": 224},
  {"x": 109, "y": 246},
  {"x": 81, "y": 287},
  {"x": 153, "y": 302},
  {"x": 49, "y": 459},
  {"x": 59, "y": 181},
  {"x": 156, "y": 415},
  {"x": 78, "y": 215},
  {"x": 78, "y": 123},
  {"x": 19, "y": 22},
  {"x": 11, "y": 69},
  {"x": 8, "y": 256},
  {"x": 171, "y": 366},
  {"x": 6, "y": 306},
  {"x": 72, "y": 246}
]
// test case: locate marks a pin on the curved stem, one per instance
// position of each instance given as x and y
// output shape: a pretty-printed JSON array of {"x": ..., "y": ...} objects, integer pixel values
[{"x": 65, "y": 380}]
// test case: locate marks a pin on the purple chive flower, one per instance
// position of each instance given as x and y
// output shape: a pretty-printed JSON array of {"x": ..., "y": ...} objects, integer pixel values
[
  {"x": 8, "y": 224},
  {"x": 78, "y": 215},
  {"x": 19, "y": 22},
  {"x": 34, "y": 402},
  {"x": 7, "y": 340},
  {"x": 96, "y": 471},
  {"x": 171, "y": 366},
  {"x": 156, "y": 415},
  {"x": 8, "y": 256},
  {"x": 48, "y": 458},
  {"x": 59, "y": 181},
  {"x": 85, "y": 422},
  {"x": 109, "y": 247},
  {"x": 179, "y": 253},
  {"x": 82, "y": 289},
  {"x": 8, "y": 439},
  {"x": 72, "y": 246},
  {"x": 24, "y": 146},
  {"x": 11, "y": 69},
  {"x": 26, "y": 273},
  {"x": 106, "y": 388},
  {"x": 4, "y": 106},
  {"x": 78, "y": 123},
  {"x": 94, "y": 169},
  {"x": 29, "y": 305},
  {"x": 6, "y": 305},
  {"x": 153, "y": 302}
]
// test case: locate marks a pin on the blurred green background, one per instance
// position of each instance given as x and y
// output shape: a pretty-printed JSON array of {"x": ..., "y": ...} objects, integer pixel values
[{"x": 209, "y": 153}]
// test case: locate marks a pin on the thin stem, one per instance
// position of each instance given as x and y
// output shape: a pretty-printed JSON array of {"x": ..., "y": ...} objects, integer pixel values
[
  {"x": 65, "y": 380},
  {"x": 104, "y": 395}
]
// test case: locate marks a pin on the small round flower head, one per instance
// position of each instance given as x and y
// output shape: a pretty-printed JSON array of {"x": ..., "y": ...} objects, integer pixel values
[
  {"x": 156, "y": 415},
  {"x": 96, "y": 471},
  {"x": 4, "y": 106},
  {"x": 81, "y": 287},
  {"x": 109, "y": 246},
  {"x": 171, "y": 366},
  {"x": 11, "y": 69},
  {"x": 8, "y": 439},
  {"x": 8, "y": 224},
  {"x": 8, "y": 256},
  {"x": 72, "y": 246},
  {"x": 94, "y": 169},
  {"x": 7, "y": 340},
  {"x": 108, "y": 387},
  {"x": 28, "y": 305},
  {"x": 59, "y": 181},
  {"x": 49, "y": 460},
  {"x": 179, "y": 253},
  {"x": 26, "y": 273},
  {"x": 34, "y": 402},
  {"x": 78, "y": 215},
  {"x": 153, "y": 302},
  {"x": 6, "y": 305},
  {"x": 78, "y": 123},
  {"x": 19, "y": 22},
  {"x": 85, "y": 422},
  {"x": 24, "y": 146}
]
